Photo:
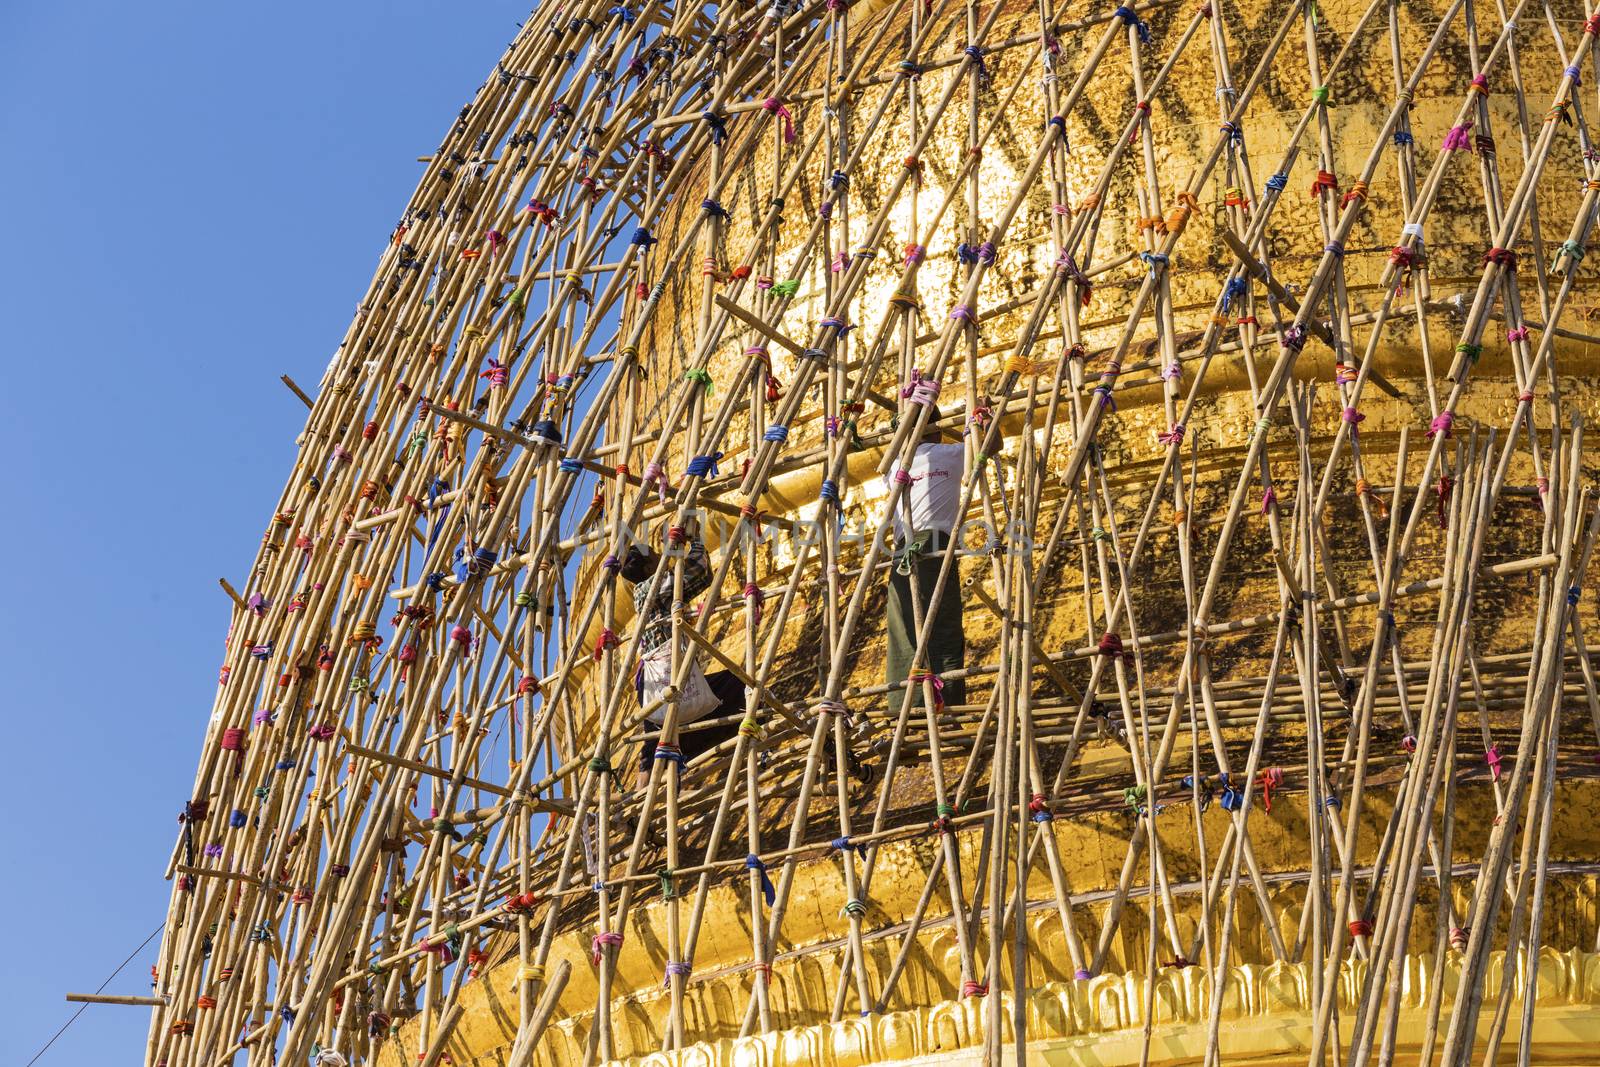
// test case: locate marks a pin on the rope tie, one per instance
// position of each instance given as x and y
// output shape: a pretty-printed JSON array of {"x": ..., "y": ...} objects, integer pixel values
[
  {"x": 1110, "y": 645},
  {"x": 671, "y": 753},
  {"x": 607, "y": 640},
  {"x": 1268, "y": 499},
  {"x": 1364, "y": 490},
  {"x": 1324, "y": 182},
  {"x": 753, "y": 862},
  {"x": 676, "y": 968},
  {"x": 1457, "y": 140},
  {"x": 831, "y": 707},
  {"x": 1039, "y": 808},
  {"x": 1442, "y": 423},
  {"x": 1133, "y": 22},
  {"x": 603, "y": 940},
  {"x": 1360, "y": 928},
  {"x": 1501, "y": 257},
  {"x": 1358, "y": 191},
  {"x": 1153, "y": 260},
  {"x": 1173, "y": 436},
  {"x": 933, "y": 680},
  {"x": 1480, "y": 84},
  {"x": 701, "y": 376},
  {"x": 773, "y": 106},
  {"x": 1443, "y": 488},
  {"x": 1271, "y": 778},
  {"x": 1355, "y": 418},
  {"x": 920, "y": 389},
  {"x": 853, "y": 908},
  {"x": 975, "y": 55},
  {"x": 969, "y": 988},
  {"x": 704, "y": 466},
  {"x": 1278, "y": 182},
  {"x": 656, "y": 474},
  {"x": 750, "y": 728}
]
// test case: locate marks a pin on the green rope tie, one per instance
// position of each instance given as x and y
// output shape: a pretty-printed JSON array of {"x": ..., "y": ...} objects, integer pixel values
[
  {"x": 752, "y": 729},
  {"x": 1100, "y": 534},
  {"x": 1261, "y": 427},
  {"x": 701, "y": 375},
  {"x": 262, "y": 792},
  {"x": 1320, "y": 95},
  {"x": 669, "y": 888},
  {"x": 1134, "y": 797},
  {"x": 1573, "y": 251},
  {"x": 1471, "y": 352},
  {"x": 946, "y": 811},
  {"x": 853, "y": 908},
  {"x": 518, "y": 298},
  {"x": 526, "y": 599},
  {"x": 359, "y": 683},
  {"x": 788, "y": 288},
  {"x": 599, "y": 765}
]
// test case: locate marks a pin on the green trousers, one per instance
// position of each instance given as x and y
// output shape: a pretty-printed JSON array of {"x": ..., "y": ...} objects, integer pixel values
[{"x": 947, "y": 643}]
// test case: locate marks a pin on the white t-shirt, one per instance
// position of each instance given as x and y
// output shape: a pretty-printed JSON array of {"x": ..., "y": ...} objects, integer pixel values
[{"x": 934, "y": 494}]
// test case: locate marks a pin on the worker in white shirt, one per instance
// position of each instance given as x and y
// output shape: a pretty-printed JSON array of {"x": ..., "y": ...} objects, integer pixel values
[{"x": 924, "y": 521}]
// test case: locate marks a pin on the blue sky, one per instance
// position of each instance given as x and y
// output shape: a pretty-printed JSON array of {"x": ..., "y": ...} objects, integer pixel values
[{"x": 197, "y": 195}]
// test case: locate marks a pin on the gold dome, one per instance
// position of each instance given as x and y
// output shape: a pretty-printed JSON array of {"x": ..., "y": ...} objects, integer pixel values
[{"x": 747, "y": 230}]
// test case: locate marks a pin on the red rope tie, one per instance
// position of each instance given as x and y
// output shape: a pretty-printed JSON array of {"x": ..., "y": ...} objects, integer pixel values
[
  {"x": 521, "y": 903},
  {"x": 749, "y": 513},
  {"x": 1271, "y": 778},
  {"x": 1360, "y": 928},
  {"x": 969, "y": 988},
  {"x": 1110, "y": 645},
  {"x": 1500, "y": 257},
  {"x": 1443, "y": 488},
  {"x": 1324, "y": 181},
  {"x": 607, "y": 639}
]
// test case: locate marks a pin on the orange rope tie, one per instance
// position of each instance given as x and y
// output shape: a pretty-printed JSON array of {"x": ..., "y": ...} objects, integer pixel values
[{"x": 1364, "y": 489}]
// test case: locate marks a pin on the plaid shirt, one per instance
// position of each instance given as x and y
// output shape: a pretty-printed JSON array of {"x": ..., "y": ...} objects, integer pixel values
[{"x": 655, "y": 613}]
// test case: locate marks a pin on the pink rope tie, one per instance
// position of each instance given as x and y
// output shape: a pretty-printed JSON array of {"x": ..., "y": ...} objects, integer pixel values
[
  {"x": 1173, "y": 436},
  {"x": 753, "y": 593},
  {"x": 657, "y": 474},
  {"x": 1492, "y": 758},
  {"x": 1268, "y": 499},
  {"x": 1442, "y": 423},
  {"x": 1354, "y": 417},
  {"x": 920, "y": 389},
  {"x": 603, "y": 939},
  {"x": 1457, "y": 140},
  {"x": 773, "y": 106},
  {"x": 1520, "y": 333},
  {"x": 933, "y": 680}
]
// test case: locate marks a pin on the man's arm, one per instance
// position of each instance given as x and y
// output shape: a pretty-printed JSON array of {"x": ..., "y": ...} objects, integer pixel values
[{"x": 696, "y": 571}]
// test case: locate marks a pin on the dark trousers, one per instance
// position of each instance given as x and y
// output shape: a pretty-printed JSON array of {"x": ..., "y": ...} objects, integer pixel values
[
  {"x": 692, "y": 742},
  {"x": 947, "y": 642}
]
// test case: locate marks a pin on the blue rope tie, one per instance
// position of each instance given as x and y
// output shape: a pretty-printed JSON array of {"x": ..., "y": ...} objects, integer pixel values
[
  {"x": 571, "y": 466},
  {"x": 701, "y": 466},
  {"x": 776, "y": 433}
]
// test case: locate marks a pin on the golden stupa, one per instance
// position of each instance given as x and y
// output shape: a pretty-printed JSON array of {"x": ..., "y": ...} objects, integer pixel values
[{"x": 1264, "y": 327}]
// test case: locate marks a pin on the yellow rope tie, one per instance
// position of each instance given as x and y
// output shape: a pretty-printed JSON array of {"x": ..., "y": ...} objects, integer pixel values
[{"x": 1021, "y": 365}]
